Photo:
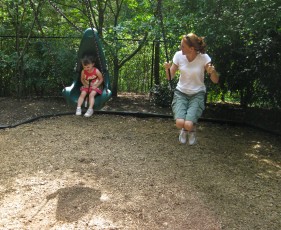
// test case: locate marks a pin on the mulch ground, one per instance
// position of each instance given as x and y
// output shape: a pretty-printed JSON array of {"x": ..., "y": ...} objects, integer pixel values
[{"x": 129, "y": 172}]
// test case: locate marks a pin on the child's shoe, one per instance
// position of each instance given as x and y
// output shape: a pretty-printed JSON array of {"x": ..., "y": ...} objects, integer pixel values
[
  {"x": 78, "y": 111},
  {"x": 89, "y": 113}
]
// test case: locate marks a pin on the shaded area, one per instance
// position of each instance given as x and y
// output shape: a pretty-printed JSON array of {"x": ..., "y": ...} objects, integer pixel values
[
  {"x": 15, "y": 112},
  {"x": 75, "y": 202}
]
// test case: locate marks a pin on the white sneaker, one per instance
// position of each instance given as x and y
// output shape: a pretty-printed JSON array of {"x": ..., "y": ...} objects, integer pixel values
[
  {"x": 182, "y": 136},
  {"x": 89, "y": 113},
  {"x": 78, "y": 111},
  {"x": 191, "y": 137}
]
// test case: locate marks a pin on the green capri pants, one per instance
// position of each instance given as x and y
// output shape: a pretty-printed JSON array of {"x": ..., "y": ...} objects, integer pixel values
[{"x": 188, "y": 107}]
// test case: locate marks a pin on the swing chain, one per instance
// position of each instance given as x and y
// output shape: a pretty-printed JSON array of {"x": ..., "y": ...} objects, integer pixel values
[
  {"x": 87, "y": 101},
  {"x": 64, "y": 16},
  {"x": 90, "y": 16}
]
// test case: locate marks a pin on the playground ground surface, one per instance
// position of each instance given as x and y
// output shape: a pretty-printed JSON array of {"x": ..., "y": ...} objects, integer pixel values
[{"x": 128, "y": 172}]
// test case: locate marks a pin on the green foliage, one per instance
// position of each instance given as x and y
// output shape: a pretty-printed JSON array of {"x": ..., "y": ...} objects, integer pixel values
[
  {"x": 243, "y": 40},
  {"x": 7, "y": 66},
  {"x": 48, "y": 67},
  {"x": 162, "y": 95}
]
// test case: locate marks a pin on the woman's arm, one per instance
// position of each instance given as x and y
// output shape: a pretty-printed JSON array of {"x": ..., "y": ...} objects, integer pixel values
[
  {"x": 212, "y": 72},
  {"x": 173, "y": 69}
]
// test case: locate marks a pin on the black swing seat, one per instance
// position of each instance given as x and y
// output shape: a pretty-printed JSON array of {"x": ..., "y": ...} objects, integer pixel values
[{"x": 90, "y": 45}]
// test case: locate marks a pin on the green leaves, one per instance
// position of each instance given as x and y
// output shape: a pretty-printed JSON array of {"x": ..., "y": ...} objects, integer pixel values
[{"x": 243, "y": 39}]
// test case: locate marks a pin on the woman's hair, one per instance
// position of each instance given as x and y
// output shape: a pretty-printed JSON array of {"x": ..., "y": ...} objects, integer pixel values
[
  {"x": 193, "y": 40},
  {"x": 88, "y": 59}
]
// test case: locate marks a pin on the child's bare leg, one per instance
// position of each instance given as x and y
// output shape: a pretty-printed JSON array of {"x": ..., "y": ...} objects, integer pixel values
[
  {"x": 90, "y": 110},
  {"x": 92, "y": 99},
  {"x": 81, "y": 98}
]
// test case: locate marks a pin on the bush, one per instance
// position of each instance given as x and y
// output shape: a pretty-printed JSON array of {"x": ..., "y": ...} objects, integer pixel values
[{"x": 162, "y": 95}]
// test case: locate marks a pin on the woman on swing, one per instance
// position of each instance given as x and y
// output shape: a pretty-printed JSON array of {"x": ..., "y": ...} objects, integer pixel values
[
  {"x": 91, "y": 79},
  {"x": 188, "y": 102}
]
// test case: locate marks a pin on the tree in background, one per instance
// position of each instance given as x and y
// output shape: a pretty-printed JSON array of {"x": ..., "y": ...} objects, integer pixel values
[{"x": 243, "y": 38}]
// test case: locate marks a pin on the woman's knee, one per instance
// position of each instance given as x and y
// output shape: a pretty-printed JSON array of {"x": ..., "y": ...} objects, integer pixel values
[
  {"x": 188, "y": 125},
  {"x": 180, "y": 123}
]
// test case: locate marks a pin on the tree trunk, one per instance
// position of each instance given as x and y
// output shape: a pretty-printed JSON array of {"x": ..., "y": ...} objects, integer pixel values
[
  {"x": 115, "y": 78},
  {"x": 156, "y": 64}
]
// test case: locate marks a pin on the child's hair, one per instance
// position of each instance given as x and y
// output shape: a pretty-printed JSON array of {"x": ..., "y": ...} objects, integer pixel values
[{"x": 88, "y": 59}]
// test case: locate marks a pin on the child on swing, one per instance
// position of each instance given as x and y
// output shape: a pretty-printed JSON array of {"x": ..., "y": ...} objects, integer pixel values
[{"x": 91, "y": 79}]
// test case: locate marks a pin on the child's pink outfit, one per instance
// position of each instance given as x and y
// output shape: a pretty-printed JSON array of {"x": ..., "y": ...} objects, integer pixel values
[{"x": 88, "y": 89}]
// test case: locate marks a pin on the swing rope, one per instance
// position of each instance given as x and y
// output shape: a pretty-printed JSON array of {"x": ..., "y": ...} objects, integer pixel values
[
  {"x": 64, "y": 16},
  {"x": 90, "y": 16},
  {"x": 87, "y": 101}
]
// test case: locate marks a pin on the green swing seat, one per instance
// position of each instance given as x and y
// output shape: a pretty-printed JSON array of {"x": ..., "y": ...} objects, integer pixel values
[{"x": 90, "y": 45}]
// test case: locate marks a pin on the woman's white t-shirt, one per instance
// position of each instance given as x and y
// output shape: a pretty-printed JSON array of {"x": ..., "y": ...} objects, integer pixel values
[{"x": 191, "y": 80}]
